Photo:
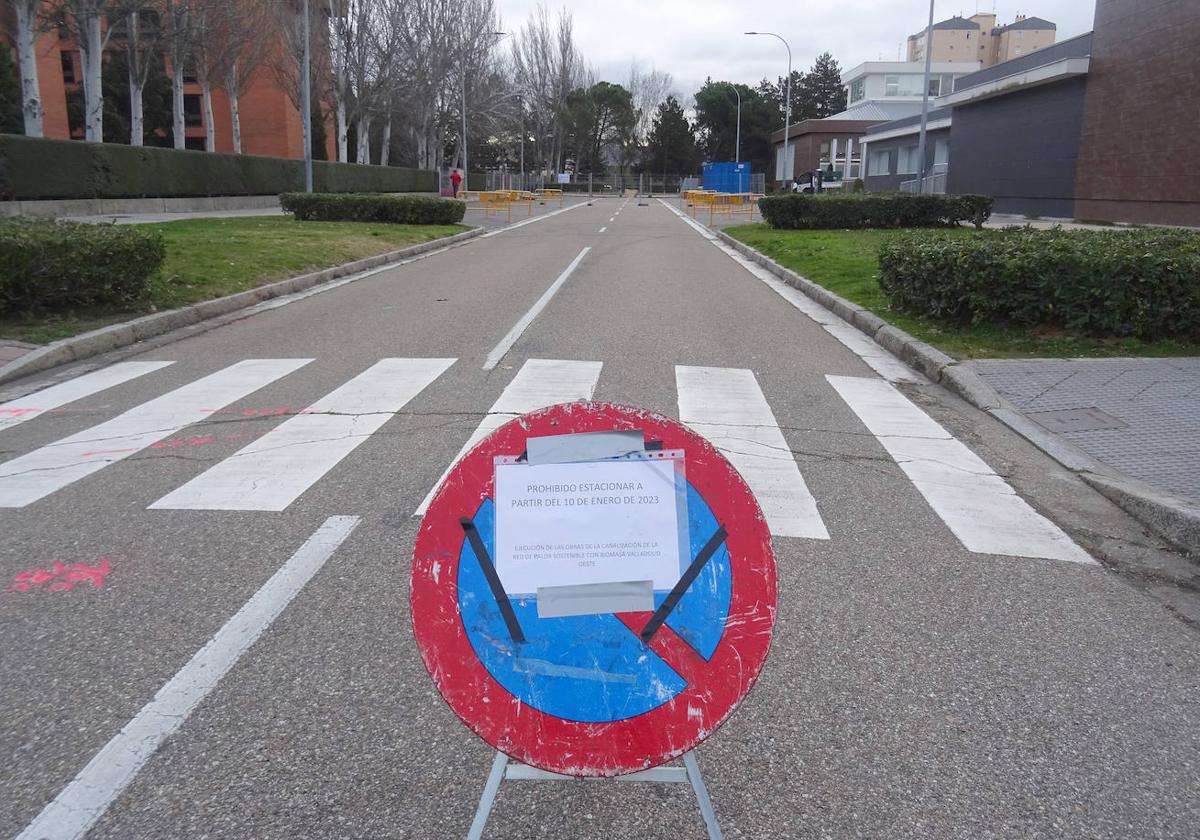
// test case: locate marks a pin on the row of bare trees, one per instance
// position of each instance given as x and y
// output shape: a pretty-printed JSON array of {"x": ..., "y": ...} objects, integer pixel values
[{"x": 393, "y": 74}]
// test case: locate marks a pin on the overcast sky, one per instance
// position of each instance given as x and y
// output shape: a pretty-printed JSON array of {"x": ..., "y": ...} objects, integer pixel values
[{"x": 692, "y": 39}]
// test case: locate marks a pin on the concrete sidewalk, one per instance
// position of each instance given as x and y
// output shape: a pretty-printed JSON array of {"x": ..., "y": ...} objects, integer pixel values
[{"x": 1139, "y": 416}]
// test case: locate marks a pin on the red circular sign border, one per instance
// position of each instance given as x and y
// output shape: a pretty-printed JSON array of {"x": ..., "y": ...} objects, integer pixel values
[{"x": 550, "y": 743}]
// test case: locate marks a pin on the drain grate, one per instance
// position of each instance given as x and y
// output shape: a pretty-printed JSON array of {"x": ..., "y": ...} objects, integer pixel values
[{"x": 1077, "y": 420}]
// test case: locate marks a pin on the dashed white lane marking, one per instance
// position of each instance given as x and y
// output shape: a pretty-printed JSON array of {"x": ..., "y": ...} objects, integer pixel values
[
  {"x": 613, "y": 219},
  {"x": 604, "y": 228},
  {"x": 54, "y": 466},
  {"x": 510, "y": 339},
  {"x": 85, "y": 799},
  {"x": 978, "y": 506},
  {"x": 56, "y": 396},
  {"x": 727, "y": 406},
  {"x": 539, "y": 383},
  {"x": 275, "y": 470},
  {"x": 858, "y": 343}
]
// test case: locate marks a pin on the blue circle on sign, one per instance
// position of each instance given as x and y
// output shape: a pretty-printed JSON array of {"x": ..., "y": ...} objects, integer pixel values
[{"x": 592, "y": 668}]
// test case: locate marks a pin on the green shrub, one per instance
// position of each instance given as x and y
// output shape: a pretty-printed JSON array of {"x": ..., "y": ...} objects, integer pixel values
[
  {"x": 34, "y": 168},
  {"x": 848, "y": 211},
  {"x": 48, "y": 265},
  {"x": 1100, "y": 283},
  {"x": 351, "y": 207}
]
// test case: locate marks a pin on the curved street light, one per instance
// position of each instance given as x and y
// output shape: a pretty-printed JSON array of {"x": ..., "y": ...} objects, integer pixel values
[{"x": 787, "y": 108}]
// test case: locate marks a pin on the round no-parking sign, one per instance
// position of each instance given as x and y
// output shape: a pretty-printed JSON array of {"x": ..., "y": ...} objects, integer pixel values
[{"x": 598, "y": 693}]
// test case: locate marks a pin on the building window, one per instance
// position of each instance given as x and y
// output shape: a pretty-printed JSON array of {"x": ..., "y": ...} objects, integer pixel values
[
  {"x": 941, "y": 153},
  {"x": 908, "y": 161},
  {"x": 68, "y": 68},
  {"x": 195, "y": 144},
  {"x": 935, "y": 86},
  {"x": 891, "y": 85},
  {"x": 858, "y": 90},
  {"x": 880, "y": 163},
  {"x": 191, "y": 111}
]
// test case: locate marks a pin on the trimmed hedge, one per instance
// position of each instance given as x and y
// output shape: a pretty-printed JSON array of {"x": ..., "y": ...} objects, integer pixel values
[
  {"x": 394, "y": 209},
  {"x": 48, "y": 265},
  {"x": 848, "y": 211},
  {"x": 1098, "y": 283},
  {"x": 34, "y": 168}
]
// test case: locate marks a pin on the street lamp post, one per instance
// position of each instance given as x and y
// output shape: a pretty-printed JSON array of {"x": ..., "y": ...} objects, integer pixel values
[
  {"x": 463, "y": 90},
  {"x": 306, "y": 103},
  {"x": 921, "y": 167},
  {"x": 787, "y": 108},
  {"x": 737, "y": 148}
]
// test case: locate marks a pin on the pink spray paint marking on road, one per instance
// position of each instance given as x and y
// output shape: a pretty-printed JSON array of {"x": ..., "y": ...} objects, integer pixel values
[{"x": 60, "y": 577}]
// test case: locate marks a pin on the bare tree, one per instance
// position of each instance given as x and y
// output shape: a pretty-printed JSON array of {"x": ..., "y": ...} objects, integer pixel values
[
  {"x": 245, "y": 51},
  {"x": 26, "y": 38},
  {"x": 547, "y": 66},
  {"x": 140, "y": 29},
  {"x": 649, "y": 90},
  {"x": 287, "y": 60},
  {"x": 85, "y": 21},
  {"x": 182, "y": 25}
]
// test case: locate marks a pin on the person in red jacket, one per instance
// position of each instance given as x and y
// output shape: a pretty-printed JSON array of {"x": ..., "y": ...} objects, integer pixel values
[{"x": 455, "y": 180}]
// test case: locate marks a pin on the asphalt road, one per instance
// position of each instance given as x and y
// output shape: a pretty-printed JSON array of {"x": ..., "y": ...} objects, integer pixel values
[{"x": 915, "y": 687}]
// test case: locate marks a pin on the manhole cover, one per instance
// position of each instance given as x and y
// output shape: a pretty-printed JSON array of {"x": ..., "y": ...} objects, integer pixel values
[{"x": 1077, "y": 420}]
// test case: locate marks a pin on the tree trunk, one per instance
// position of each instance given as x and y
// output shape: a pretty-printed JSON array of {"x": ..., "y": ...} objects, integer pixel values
[
  {"x": 210, "y": 131},
  {"x": 135, "y": 113},
  {"x": 93, "y": 94},
  {"x": 178, "y": 128},
  {"x": 31, "y": 100},
  {"x": 343, "y": 130},
  {"x": 136, "y": 81},
  {"x": 235, "y": 118},
  {"x": 364, "y": 139},
  {"x": 385, "y": 148}
]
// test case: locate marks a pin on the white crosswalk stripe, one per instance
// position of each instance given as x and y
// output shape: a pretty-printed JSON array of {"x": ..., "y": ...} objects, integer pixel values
[
  {"x": 56, "y": 396},
  {"x": 539, "y": 383},
  {"x": 727, "y": 406},
  {"x": 52, "y": 467},
  {"x": 978, "y": 506},
  {"x": 273, "y": 471}
]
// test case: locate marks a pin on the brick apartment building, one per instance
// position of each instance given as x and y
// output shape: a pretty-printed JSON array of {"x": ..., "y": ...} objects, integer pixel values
[
  {"x": 270, "y": 124},
  {"x": 978, "y": 38}
]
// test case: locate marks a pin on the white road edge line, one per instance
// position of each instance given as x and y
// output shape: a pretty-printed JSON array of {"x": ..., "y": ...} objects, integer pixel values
[
  {"x": 979, "y": 507},
  {"x": 86, "y": 798},
  {"x": 534, "y": 220},
  {"x": 854, "y": 340},
  {"x": 510, "y": 339}
]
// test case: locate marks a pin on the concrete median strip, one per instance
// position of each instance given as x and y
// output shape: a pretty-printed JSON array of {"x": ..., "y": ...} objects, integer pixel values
[
  {"x": 106, "y": 339},
  {"x": 1172, "y": 518}
]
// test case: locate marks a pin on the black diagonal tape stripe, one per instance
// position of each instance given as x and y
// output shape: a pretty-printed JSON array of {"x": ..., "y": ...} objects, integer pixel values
[
  {"x": 689, "y": 577},
  {"x": 493, "y": 579}
]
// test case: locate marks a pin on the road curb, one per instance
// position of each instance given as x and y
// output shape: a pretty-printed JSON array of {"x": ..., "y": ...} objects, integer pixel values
[
  {"x": 116, "y": 336},
  {"x": 1175, "y": 519}
]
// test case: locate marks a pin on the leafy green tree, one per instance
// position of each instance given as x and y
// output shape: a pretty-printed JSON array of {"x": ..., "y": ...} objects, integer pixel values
[
  {"x": 716, "y": 123},
  {"x": 671, "y": 144},
  {"x": 11, "y": 120},
  {"x": 823, "y": 91},
  {"x": 599, "y": 124}
]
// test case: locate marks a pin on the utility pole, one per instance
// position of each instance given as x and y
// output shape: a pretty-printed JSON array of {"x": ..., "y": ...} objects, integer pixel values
[
  {"x": 788, "y": 163},
  {"x": 921, "y": 168},
  {"x": 737, "y": 146},
  {"x": 306, "y": 104}
]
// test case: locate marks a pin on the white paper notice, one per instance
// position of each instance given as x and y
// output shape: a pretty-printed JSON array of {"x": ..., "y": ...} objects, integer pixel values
[{"x": 594, "y": 522}]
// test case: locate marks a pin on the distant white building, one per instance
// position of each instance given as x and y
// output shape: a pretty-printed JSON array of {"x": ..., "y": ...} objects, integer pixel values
[{"x": 892, "y": 90}]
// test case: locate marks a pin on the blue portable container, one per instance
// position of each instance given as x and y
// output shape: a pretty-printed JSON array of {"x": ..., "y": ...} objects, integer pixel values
[{"x": 727, "y": 177}]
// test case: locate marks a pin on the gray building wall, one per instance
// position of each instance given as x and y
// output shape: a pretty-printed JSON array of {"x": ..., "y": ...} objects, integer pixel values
[
  {"x": 1021, "y": 149},
  {"x": 891, "y": 182}
]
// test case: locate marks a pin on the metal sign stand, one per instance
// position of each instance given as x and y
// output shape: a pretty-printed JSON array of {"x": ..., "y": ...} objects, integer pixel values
[{"x": 504, "y": 768}]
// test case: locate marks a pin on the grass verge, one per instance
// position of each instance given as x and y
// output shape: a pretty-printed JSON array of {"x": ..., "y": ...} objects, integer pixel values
[
  {"x": 211, "y": 258},
  {"x": 846, "y": 263}
]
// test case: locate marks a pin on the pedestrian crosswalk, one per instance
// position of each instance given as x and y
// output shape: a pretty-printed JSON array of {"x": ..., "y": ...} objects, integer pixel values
[{"x": 728, "y": 406}]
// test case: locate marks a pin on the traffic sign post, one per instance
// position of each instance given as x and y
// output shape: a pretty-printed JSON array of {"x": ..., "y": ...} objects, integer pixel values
[{"x": 600, "y": 679}]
